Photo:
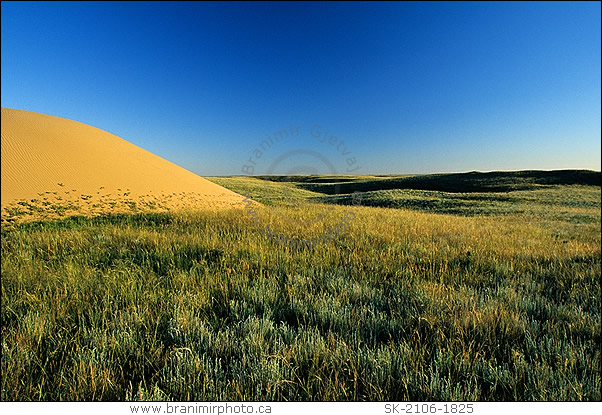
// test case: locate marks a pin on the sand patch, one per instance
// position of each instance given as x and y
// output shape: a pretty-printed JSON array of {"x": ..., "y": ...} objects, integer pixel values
[{"x": 52, "y": 166}]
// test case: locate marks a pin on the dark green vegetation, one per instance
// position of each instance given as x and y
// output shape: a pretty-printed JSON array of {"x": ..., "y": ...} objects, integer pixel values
[
  {"x": 467, "y": 295},
  {"x": 448, "y": 182}
]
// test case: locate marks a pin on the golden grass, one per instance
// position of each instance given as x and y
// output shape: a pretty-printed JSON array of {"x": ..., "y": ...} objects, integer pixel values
[{"x": 198, "y": 305}]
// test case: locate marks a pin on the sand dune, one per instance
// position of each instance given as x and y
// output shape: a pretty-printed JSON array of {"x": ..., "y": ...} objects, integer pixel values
[{"x": 52, "y": 161}]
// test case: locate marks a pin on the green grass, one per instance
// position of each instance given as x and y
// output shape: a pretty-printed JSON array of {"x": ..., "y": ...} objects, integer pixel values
[
  {"x": 265, "y": 191},
  {"x": 565, "y": 195},
  {"x": 456, "y": 182},
  {"x": 472, "y": 296},
  {"x": 558, "y": 201}
]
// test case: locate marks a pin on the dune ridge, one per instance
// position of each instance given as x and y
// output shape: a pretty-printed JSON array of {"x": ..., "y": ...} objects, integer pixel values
[{"x": 49, "y": 160}]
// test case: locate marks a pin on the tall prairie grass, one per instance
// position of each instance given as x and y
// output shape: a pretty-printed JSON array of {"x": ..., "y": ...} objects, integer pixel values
[{"x": 405, "y": 305}]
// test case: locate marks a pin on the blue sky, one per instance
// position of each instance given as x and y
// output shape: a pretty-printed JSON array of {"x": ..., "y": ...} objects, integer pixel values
[{"x": 409, "y": 87}]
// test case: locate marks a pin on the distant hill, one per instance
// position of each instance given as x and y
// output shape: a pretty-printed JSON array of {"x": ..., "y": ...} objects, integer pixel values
[{"x": 500, "y": 181}]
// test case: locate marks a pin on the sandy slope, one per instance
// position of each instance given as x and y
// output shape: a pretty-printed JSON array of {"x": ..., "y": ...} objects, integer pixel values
[{"x": 52, "y": 160}]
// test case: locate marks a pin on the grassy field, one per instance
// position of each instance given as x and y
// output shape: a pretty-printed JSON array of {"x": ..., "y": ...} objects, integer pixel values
[{"x": 469, "y": 290}]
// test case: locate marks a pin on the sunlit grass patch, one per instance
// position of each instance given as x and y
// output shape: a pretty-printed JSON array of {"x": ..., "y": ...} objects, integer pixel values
[{"x": 405, "y": 304}]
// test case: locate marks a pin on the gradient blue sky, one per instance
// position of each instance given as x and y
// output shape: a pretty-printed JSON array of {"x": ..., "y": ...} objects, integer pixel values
[{"x": 409, "y": 87}]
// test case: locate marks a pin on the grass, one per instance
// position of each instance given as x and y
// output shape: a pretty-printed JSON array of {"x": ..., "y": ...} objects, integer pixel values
[
  {"x": 455, "y": 182},
  {"x": 266, "y": 191},
  {"x": 489, "y": 295}
]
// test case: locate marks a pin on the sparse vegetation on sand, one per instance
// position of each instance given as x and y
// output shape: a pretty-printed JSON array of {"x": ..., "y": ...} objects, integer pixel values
[{"x": 496, "y": 300}]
